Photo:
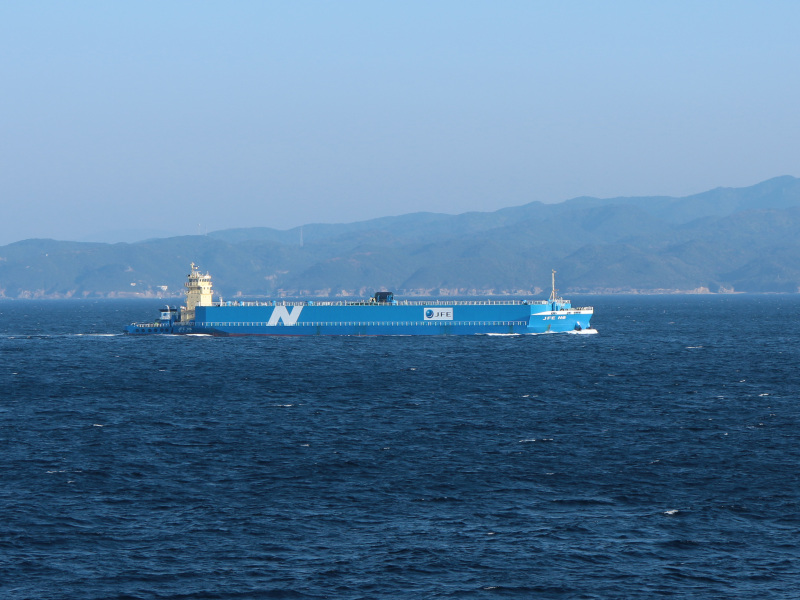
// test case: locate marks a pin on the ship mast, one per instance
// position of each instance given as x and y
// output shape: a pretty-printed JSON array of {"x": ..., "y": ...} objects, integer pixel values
[{"x": 553, "y": 296}]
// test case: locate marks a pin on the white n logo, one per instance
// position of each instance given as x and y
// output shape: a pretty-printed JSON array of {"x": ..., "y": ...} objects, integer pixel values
[{"x": 280, "y": 313}]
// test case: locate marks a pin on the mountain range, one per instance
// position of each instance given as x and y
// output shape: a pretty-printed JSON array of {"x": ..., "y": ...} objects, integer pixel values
[{"x": 723, "y": 240}]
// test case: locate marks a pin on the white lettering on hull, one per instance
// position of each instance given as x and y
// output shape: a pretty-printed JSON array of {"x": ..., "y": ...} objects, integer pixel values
[
  {"x": 280, "y": 313},
  {"x": 439, "y": 313}
]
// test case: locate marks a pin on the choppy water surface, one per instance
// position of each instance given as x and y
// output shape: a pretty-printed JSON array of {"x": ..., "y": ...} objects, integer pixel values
[{"x": 658, "y": 458}]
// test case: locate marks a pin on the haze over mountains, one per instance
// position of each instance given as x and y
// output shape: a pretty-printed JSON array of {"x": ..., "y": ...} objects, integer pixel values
[{"x": 723, "y": 240}]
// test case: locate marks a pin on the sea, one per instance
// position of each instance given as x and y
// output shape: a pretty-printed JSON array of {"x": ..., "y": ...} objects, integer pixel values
[{"x": 655, "y": 458}]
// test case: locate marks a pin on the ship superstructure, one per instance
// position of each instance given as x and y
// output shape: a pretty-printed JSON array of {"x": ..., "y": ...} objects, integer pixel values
[{"x": 198, "y": 292}]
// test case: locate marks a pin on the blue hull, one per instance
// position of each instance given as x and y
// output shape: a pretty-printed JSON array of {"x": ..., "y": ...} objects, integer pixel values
[{"x": 366, "y": 319}]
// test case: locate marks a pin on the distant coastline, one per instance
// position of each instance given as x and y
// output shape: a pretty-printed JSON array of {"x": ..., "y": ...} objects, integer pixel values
[
  {"x": 726, "y": 240},
  {"x": 299, "y": 294}
]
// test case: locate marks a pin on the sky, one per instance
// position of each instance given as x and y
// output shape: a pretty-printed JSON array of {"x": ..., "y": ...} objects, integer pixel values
[{"x": 124, "y": 120}]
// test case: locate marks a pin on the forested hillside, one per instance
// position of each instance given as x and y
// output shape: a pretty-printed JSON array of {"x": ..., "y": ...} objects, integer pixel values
[{"x": 743, "y": 240}]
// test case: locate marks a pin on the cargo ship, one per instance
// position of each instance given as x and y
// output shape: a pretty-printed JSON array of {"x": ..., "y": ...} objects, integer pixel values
[{"x": 382, "y": 314}]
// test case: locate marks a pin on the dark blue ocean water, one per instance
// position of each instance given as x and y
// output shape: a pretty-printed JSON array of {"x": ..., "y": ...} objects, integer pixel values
[{"x": 657, "y": 458}]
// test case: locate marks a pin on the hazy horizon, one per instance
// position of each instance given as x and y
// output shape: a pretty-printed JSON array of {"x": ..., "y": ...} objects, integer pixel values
[
  {"x": 189, "y": 117},
  {"x": 141, "y": 235}
]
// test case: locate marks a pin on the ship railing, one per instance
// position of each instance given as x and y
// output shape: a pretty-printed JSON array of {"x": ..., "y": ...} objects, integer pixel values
[
  {"x": 364, "y": 323},
  {"x": 469, "y": 302},
  {"x": 438, "y": 302}
]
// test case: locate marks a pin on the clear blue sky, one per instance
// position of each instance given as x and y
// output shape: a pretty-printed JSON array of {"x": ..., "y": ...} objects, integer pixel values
[{"x": 190, "y": 116}]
